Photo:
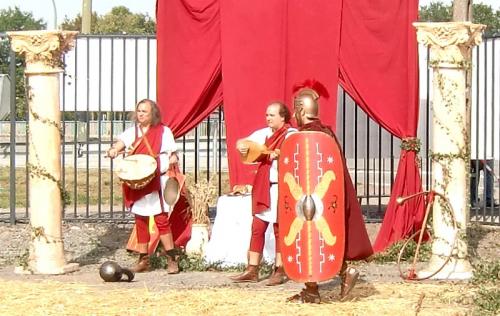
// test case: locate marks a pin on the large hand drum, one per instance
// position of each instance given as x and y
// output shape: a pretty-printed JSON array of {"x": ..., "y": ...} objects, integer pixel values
[{"x": 136, "y": 171}]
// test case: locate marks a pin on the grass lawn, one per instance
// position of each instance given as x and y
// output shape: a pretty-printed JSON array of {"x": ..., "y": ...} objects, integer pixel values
[{"x": 91, "y": 190}]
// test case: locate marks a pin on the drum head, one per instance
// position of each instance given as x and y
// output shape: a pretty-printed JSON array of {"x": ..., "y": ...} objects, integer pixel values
[{"x": 135, "y": 167}]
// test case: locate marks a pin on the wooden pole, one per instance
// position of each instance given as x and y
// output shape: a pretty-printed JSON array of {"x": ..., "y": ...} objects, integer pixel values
[
  {"x": 462, "y": 10},
  {"x": 86, "y": 16}
]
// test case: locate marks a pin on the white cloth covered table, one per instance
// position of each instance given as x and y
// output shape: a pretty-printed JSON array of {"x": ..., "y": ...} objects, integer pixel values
[{"x": 231, "y": 232}]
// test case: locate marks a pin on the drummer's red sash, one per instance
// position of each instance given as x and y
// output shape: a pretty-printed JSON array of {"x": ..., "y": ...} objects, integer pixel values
[
  {"x": 261, "y": 196},
  {"x": 154, "y": 138},
  {"x": 179, "y": 218},
  {"x": 311, "y": 207}
]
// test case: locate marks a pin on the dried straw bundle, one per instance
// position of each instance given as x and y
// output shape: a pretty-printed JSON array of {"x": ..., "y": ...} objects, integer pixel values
[{"x": 201, "y": 195}]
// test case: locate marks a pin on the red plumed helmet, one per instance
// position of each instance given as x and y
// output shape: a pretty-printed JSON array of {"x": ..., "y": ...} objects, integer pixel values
[{"x": 314, "y": 85}]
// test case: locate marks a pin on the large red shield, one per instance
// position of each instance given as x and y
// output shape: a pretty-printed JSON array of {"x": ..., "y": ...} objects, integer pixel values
[{"x": 311, "y": 207}]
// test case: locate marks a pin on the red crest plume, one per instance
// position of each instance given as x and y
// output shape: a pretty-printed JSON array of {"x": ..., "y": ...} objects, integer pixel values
[{"x": 312, "y": 84}]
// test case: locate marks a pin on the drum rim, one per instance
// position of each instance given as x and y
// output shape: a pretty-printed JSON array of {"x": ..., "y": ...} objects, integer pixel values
[{"x": 150, "y": 175}]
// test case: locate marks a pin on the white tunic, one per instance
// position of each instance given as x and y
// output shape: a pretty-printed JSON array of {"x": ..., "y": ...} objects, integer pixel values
[
  {"x": 270, "y": 215},
  {"x": 150, "y": 203}
]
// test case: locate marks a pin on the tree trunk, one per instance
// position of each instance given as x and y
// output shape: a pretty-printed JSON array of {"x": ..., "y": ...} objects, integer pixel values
[
  {"x": 86, "y": 16},
  {"x": 462, "y": 10}
]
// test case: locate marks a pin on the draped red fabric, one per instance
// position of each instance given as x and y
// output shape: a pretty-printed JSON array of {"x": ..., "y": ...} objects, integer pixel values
[
  {"x": 261, "y": 195},
  {"x": 267, "y": 47},
  {"x": 252, "y": 35},
  {"x": 379, "y": 69},
  {"x": 181, "y": 221},
  {"x": 312, "y": 49},
  {"x": 357, "y": 242},
  {"x": 260, "y": 49},
  {"x": 189, "y": 79}
]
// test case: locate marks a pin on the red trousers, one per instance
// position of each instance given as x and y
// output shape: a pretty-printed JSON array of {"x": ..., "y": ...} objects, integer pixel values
[
  {"x": 259, "y": 228},
  {"x": 142, "y": 225}
]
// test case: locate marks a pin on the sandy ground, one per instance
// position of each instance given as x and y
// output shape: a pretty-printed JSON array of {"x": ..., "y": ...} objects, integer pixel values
[{"x": 91, "y": 244}]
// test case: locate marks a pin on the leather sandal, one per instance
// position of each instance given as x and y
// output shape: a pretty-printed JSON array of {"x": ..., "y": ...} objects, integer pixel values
[
  {"x": 172, "y": 261},
  {"x": 278, "y": 277},
  {"x": 251, "y": 274},
  {"x": 348, "y": 278},
  {"x": 307, "y": 295},
  {"x": 142, "y": 264}
]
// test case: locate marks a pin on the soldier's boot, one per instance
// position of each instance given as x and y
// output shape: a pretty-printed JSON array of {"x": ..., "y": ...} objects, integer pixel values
[{"x": 278, "y": 277}]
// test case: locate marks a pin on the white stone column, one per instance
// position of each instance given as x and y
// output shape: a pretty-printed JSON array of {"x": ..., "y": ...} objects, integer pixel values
[
  {"x": 449, "y": 45},
  {"x": 43, "y": 51}
]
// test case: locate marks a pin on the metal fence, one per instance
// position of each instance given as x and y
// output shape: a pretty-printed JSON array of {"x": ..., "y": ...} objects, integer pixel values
[{"x": 106, "y": 75}]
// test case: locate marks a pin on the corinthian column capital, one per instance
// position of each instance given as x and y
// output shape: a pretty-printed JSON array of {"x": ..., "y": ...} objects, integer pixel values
[
  {"x": 43, "y": 49},
  {"x": 449, "y": 41}
]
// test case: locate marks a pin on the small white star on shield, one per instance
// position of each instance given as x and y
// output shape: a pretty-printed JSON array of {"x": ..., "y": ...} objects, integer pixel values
[
  {"x": 331, "y": 258},
  {"x": 290, "y": 259},
  {"x": 329, "y": 159},
  {"x": 286, "y": 161}
]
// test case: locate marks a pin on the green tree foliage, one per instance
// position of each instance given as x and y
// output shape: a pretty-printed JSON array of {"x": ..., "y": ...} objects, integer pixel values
[
  {"x": 13, "y": 19},
  {"x": 76, "y": 23},
  {"x": 484, "y": 14},
  {"x": 436, "y": 12},
  {"x": 118, "y": 21},
  {"x": 481, "y": 13},
  {"x": 121, "y": 21}
]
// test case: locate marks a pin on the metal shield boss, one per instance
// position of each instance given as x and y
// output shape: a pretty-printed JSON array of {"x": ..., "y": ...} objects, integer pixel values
[{"x": 311, "y": 207}]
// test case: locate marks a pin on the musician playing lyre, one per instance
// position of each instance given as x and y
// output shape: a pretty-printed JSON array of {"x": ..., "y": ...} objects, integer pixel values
[{"x": 262, "y": 147}]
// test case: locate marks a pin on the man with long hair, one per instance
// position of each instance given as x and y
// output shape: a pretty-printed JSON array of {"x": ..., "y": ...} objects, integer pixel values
[{"x": 149, "y": 136}]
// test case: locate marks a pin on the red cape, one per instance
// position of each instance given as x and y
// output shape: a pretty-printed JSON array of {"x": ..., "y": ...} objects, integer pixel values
[{"x": 358, "y": 245}]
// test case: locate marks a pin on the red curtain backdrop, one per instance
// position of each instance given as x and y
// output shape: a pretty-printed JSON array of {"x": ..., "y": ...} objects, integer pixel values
[
  {"x": 313, "y": 34},
  {"x": 252, "y": 37},
  {"x": 253, "y": 52},
  {"x": 379, "y": 69},
  {"x": 189, "y": 79},
  {"x": 267, "y": 47}
]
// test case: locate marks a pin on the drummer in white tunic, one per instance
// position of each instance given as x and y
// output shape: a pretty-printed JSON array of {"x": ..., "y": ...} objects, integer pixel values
[{"x": 149, "y": 136}]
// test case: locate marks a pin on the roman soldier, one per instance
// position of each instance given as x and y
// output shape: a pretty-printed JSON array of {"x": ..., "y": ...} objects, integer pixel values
[{"x": 357, "y": 243}]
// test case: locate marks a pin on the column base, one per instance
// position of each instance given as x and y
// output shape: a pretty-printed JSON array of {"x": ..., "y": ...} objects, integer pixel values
[
  {"x": 67, "y": 268},
  {"x": 455, "y": 269}
]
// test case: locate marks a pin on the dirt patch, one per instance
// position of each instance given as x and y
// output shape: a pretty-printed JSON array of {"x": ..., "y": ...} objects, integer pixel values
[
  {"x": 93, "y": 243},
  {"x": 84, "y": 243},
  {"x": 484, "y": 242}
]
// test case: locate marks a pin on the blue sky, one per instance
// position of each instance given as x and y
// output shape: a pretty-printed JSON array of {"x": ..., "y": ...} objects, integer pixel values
[{"x": 44, "y": 9}]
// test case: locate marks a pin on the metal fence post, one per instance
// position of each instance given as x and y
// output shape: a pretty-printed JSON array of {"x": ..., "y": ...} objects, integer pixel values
[{"x": 12, "y": 181}]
